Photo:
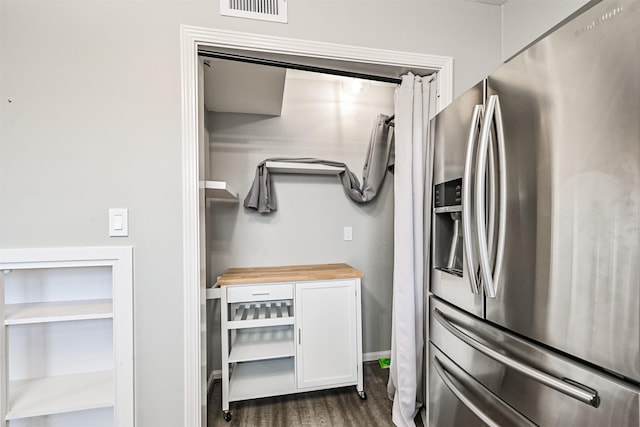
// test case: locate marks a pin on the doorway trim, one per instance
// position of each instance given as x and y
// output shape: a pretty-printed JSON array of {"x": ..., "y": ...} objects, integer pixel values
[{"x": 191, "y": 40}]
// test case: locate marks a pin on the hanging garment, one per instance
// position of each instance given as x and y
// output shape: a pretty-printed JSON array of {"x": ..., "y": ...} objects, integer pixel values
[
  {"x": 379, "y": 159},
  {"x": 412, "y": 184},
  {"x": 262, "y": 198}
]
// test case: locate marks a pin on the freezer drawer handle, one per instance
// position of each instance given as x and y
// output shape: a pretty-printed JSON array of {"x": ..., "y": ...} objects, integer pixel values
[
  {"x": 581, "y": 393},
  {"x": 466, "y": 199},
  {"x": 448, "y": 379}
]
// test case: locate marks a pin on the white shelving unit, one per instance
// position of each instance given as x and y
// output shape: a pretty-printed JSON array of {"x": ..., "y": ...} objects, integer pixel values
[
  {"x": 67, "y": 336},
  {"x": 284, "y": 336}
]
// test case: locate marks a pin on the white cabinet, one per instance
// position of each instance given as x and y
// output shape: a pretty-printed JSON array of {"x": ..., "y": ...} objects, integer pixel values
[
  {"x": 327, "y": 327},
  {"x": 67, "y": 337},
  {"x": 288, "y": 330}
]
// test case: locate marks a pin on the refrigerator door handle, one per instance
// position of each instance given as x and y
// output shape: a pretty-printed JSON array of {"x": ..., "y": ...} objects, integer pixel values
[
  {"x": 502, "y": 185},
  {"x": 490, "y": 277},
  {"x": 491, "y": 197},
  {"x": 476, "y": 119},
  {"x": 569, "y": 387},
  {"x": 449, "y": 380}
]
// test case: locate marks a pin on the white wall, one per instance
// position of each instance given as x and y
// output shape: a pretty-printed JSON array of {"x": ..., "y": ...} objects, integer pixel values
[
  {"x": 318, "y": 120},
  {"x": 469, "y": 32},
  {"x": 523, "y": 21},
  {"x": 90, "y": 119}
]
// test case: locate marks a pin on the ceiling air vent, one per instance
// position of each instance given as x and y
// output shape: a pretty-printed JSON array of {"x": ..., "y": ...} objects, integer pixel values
[{"x": 263, "y": 10}]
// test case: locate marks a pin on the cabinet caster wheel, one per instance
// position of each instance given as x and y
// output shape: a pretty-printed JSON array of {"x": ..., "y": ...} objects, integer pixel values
[
  {"x": 227, "y": 416},
  {"x": 362, "y": 395}
]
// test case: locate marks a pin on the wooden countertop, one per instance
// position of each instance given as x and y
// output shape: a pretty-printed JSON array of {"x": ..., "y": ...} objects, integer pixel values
[{"x": 288, "y": 273}]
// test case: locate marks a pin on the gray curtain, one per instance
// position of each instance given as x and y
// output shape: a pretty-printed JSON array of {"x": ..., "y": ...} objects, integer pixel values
[
  {"x": 411, "y": 234},
  {"x": 380, "y": 157}
]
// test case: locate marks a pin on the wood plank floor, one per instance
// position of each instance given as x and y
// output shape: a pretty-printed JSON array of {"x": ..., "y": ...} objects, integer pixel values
[{"x": 336, "y": 407}]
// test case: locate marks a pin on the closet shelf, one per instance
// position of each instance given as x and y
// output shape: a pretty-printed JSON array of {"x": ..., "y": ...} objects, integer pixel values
[
  {"x": 219, "y": 190},
  {"x": 303, "y": 168}
]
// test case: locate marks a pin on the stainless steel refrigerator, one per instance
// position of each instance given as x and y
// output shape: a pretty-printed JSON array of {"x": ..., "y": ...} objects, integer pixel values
[{"x": 535, "y": 292}]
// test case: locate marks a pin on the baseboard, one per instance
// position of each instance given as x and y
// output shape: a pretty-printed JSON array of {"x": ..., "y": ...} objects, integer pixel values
[{"x": 373, "y": 356}]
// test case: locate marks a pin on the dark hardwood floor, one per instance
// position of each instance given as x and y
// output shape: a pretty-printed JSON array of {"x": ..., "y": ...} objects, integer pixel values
[{"x": 334, "y": 407}]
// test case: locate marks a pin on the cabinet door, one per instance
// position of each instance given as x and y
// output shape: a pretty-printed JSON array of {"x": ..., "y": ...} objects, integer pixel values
[{"x": 326, "y": 319}]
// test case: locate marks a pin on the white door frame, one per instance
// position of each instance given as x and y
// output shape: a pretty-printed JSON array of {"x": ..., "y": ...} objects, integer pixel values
[{"x": 191, "y": 39}]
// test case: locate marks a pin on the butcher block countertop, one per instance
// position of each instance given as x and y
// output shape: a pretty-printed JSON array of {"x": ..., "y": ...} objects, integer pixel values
[{"x": 288, "y": 273}]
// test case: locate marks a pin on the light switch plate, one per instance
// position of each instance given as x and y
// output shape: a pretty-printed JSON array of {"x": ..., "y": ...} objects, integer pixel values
[{"x": 119, "y": 222}]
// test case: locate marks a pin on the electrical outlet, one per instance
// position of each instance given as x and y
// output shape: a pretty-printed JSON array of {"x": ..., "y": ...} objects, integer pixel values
[{"x": 348, "y": 233}]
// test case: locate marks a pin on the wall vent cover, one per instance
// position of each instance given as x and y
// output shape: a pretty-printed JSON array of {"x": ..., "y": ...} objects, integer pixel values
[{"x": 263, "y": 10}]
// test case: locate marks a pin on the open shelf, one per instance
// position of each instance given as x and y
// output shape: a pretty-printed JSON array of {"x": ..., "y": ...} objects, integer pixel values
[
  {"x": 265, "y": 378},
  {"x": 219, "y": 190},
  {"x": 58, "y": 311},
  {"x": 262, "y": 344},
  {"x": 303, "y": 168},
  {"x": 54, "y": 395},
  {"x": 259, "y": 314}
]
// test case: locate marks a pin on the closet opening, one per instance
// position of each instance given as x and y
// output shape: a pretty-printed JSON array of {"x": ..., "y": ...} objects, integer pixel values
[
  {"x": 233, "y": 138},
  {"x": 257, "y": 109}
]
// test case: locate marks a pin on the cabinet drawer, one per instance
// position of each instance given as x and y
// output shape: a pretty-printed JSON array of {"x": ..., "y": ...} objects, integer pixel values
[{"x": 237, "y": 293}]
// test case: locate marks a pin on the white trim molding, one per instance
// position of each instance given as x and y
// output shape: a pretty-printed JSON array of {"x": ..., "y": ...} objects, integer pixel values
[{"x": 193, "y": 38}]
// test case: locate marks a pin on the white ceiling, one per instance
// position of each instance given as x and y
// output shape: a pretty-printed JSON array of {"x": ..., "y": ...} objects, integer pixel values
[{"x": 241, "y": 87}]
